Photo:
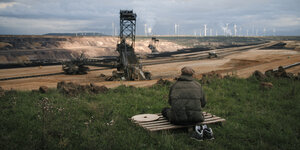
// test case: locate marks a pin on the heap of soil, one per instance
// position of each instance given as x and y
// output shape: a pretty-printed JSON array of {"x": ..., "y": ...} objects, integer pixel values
[
  {"x": 259, "y": 75},
  {"x": 103, "y": 77},
  {"x": 163, "y": 82},
  {"x": 73, "y": 89},
  {"x": 43, "y": 89},
  {"x": 280, "y": 73},
  {"x": 207, "y": 77},
  {"x": 211, "y": 74},
  {"x": 266, "y": 85}
]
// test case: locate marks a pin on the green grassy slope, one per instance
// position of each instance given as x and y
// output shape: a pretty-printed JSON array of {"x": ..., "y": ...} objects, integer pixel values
[{"x": 256, "y": 118}]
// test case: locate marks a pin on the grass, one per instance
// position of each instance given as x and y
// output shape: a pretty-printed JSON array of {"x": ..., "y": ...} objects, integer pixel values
[{"x": 256, "y": 118}]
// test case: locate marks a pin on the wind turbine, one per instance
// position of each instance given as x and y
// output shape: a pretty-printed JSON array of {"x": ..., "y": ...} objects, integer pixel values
[{"x": 205, "y": 30}]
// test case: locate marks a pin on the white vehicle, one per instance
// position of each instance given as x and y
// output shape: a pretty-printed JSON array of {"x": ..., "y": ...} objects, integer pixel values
[{"x": 212, "y": 55}]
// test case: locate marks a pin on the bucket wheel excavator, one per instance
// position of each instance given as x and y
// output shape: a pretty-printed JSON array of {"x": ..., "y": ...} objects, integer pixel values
[{"x": 128, "y": 65}]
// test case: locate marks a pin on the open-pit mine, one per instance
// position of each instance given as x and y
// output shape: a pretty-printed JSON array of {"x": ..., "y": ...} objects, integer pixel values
[{"x": 239, "y": 58}]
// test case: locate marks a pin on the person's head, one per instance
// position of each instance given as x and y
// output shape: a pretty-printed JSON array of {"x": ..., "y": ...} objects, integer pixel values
[{"x": 187, "y": 71}]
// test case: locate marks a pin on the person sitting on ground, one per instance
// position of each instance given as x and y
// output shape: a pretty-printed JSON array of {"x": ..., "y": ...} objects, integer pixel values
[{"x": 186, "y": 98}]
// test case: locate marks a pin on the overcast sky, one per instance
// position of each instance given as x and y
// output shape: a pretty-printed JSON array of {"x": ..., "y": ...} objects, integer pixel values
[{"x": 279, "y": 17}]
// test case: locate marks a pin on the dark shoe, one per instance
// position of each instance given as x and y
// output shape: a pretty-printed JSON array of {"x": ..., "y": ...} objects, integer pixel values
[
  {"x": 208, "y": 134},
  {"x": 195, "y": 136}
]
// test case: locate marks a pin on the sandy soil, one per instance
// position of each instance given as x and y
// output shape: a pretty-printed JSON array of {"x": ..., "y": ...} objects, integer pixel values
[
  {"x": 243, "y": 64},
  {"x": 105, "y": 46}
]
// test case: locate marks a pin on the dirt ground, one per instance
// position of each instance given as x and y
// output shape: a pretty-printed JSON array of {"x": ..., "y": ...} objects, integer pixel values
[{"x": 242, "y": 64}]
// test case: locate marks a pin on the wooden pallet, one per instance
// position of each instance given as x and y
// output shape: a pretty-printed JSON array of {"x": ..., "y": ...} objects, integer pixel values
[{"x": 163, "y": 124}]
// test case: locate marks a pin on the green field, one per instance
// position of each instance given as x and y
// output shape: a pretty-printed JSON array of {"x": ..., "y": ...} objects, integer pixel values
[{"x": 255, "y": 118}]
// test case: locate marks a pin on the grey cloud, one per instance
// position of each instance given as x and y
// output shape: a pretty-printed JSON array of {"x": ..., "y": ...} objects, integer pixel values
[
  {"x": 161, "y": 15},
  {"x": 6, "y": 1}
]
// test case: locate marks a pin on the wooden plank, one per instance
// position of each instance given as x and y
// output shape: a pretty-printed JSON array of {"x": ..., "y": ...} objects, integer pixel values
[
  {"x": 213, "y": 118},
  {"x": 145, "y": 123},
  {"x": 163, "y": 124},
  {"x": 167, "y": 124},
  {"x": 213, "y": 121},
  {"x": 165, "y": 120},
  {"x": 166, "y": 128},
  {"x": 153, "y": 123},
  {"x": 156, "y": 124}
]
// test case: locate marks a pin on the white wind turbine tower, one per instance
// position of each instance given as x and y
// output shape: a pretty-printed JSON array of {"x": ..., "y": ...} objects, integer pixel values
[
  {"x": 145, "y": 30},
  {"x": 274, "y": 31},
  {"x": 216, "y": 32},
  {"x": 113, "y": 29},
  {"x": 240, "y": 31},
  {"x": 205, "y": 30},
  {"x": 149, "y": 31},
  {"x": 265, "y": 31},
  {"x": 175, "y": 29},
  {"x": 247, "y": 32},
  {"x": 200, "y": 34},
  {"x": 235, "y": 30},
  {"x": 210, "y": 32},
  {"x": 226, "y": 28}
]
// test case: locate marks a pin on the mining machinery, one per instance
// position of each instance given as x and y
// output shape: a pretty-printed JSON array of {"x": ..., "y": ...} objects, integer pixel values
[
  {"x": 212, "y": 55},
  {"x": 76, "y": 66},
  {"x": 153, "y": 45},
  {"x": 128, "y": 65}
]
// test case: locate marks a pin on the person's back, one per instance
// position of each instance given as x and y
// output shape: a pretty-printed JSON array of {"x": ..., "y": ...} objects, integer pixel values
[{"x": 186, "y": 98}]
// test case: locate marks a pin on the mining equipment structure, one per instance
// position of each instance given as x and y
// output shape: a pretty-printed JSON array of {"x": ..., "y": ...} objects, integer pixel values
[
  {"x": 153, "y": 45},
  {"x": 76, "y": 66},
  {"x": 128, "y": 65}
]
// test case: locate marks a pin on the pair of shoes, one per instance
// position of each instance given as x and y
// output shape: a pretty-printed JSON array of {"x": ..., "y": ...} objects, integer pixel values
[{"x": 202, "y": 132}]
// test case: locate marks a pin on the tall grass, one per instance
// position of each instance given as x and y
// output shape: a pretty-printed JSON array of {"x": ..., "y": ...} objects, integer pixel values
[{"x": 256, "y": 118}]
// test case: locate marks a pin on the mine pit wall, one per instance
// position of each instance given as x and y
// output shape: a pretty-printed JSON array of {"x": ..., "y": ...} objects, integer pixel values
[
  {"x": 20, "y": 50},
  {"x": 32, "y": 50},
  {"x": 36, "y": 50},
  {"x": 29, "y": 58}
]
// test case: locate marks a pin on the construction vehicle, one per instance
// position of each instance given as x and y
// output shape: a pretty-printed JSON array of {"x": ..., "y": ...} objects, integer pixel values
[
  {"x": 153, "y": 45},
  {"x": 212, "y": 55},
  {"x": 128, "y": 65},
  {"x": 76, "y": 66}
]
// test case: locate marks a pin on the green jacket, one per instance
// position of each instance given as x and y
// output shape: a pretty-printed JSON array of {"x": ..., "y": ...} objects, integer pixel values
[{"x": 186, "y": 98}]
